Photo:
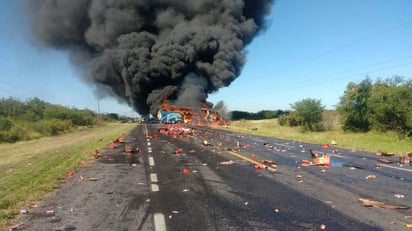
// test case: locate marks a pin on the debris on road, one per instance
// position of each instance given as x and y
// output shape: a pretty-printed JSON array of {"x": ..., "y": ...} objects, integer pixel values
[
  {"x": 352, "y": 167},
  {"x": 384, "y": 161},
  {"x": 324, "y": 146},
  {"x": 131, "y": 149},
  {"x": 385, "y": 154},
  {"x": 317, "y": 159},
  {"x": 370, "y": 177},
  {"x": 24, "y": 211},
  {"x": 227, "y": 162},
  {"x": 267, "y": 161},
  {"x": 406, "y": 159},
  {"x": 85, "y": 178},
  {"x": 118, "y": 139},
  {"x": 113, "y": 146},
  {"x": 397, "y": 195},
  {"x": 378, "y": 204},
  {"x": 15, "y": 227},
  {"x": 50, "y": 212}
]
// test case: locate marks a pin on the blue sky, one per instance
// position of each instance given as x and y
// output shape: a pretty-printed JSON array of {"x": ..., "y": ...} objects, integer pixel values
[{"x": 311, "y": 49}]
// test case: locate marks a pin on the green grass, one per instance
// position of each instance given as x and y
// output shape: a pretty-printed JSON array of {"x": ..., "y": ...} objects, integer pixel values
[
  {"x": 29, "y": 170},
  {"x": 371, "y": 141}
]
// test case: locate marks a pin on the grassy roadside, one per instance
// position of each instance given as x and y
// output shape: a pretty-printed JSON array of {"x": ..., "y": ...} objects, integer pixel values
[
  {"x": 31, "y": 169},
  {"x": 371, "y": 141}
]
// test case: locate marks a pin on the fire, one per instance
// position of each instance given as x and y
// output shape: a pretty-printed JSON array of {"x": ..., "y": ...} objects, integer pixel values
[{"x": 202, "y": 116}]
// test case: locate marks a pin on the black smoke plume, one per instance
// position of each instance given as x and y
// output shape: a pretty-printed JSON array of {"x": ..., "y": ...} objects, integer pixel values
[{"x": 143, "y": 51}]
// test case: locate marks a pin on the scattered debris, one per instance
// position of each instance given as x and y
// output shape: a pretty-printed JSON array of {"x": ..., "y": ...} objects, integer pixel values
[
  {"x": 227, "y": 162},
  {"x": 324, "y": 146},
  {"x": 24, "y": 211},
  {"x": 352, "y": 167},
  {"x": 118, "y": 139},
  {"x": 333, "y": 142},
  {"x": 370, "y": 177},
  {"x": 186, "y": 171},
  {"x": 15, "y": 227},
  {"x": 317, "y": 159},
  {"x": 267, "y": 161},
  {"x": 335, "y": 151},
  {"x": 385, "y": 154},
  {"x": 256, "y": 166},
  {"x": 85, "y": 178},
  {"x": 397, "y": 195},
  {"x": 206, "y": 143},
  {"x": 384, "y": 161},
  {"x": 378, "y": 204},
  {"x": 131, "y": 149},
  {"x": 50, "y": 212},
  {"x": 153, "y": 137},
  {"x": 113, "y": 146},
  {"x": 268, "y": 146},
  {"x": 405, "y": 159}
]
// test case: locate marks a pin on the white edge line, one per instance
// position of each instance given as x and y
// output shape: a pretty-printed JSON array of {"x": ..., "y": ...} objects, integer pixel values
[{"x": 398, "y": 168}]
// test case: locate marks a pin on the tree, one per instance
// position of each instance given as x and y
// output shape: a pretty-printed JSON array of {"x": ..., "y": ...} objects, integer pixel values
[
  {"x": 390, "y": 106},
  {"x": 309, "y": 113},
  {"x": 353, "y": 106}
]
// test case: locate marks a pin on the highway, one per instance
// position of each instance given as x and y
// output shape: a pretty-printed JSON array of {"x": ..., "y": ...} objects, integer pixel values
[
  {"x": 220, "y": 186},
  {"x": 179, "y": 178}
]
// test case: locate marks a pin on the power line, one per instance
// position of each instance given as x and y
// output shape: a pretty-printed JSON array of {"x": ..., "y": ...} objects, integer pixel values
[{"x": 348, "y": 44}]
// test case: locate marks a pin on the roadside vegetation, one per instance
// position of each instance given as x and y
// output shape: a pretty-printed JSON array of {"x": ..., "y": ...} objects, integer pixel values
[
  {"x": 31, "y": 169},
  {"x": 373, "y": 116},
  {"x": 35, "y": 118},
  {"x": 40, "y": 143}
]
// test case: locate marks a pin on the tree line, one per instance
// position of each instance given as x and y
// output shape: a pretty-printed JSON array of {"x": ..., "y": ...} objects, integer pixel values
[
  {"x": 35, "y": 118},
  {"x": 383, "y": 105}
]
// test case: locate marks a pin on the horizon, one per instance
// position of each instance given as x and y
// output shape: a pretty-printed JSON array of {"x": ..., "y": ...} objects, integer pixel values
[{"x": 309, "y": 50}]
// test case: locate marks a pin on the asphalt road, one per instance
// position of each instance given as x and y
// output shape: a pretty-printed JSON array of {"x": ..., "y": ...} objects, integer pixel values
[{"x": 178, "y": 183}]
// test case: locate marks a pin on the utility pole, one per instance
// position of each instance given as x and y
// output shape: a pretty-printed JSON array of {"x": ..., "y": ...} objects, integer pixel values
[{"x": 98, "y": 106}]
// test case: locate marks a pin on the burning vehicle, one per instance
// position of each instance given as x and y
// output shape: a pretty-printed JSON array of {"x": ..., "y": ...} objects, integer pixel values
[{"x": 204, "y": 115}]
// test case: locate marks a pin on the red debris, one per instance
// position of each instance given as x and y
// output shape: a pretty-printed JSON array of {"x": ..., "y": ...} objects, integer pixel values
[{"x": 257, "y": 167}]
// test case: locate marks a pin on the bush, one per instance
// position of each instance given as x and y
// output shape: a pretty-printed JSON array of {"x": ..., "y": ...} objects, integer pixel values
[{"x": 52, "y": 127}]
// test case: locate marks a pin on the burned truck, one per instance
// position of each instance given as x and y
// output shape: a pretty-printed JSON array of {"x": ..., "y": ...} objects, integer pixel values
[{"x": 202, "y": 116}]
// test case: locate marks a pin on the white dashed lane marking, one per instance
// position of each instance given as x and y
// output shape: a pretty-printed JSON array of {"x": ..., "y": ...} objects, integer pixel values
[
  {"x": 155, "y": 188},
  {"x": 153, "y": 178},
  {"x": 159, "y": 222},
  {"x": 151, "y": 161}
]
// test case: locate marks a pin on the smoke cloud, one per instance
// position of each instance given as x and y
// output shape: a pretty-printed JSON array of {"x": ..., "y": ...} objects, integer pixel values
[{"x": 142, "y": 51}]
